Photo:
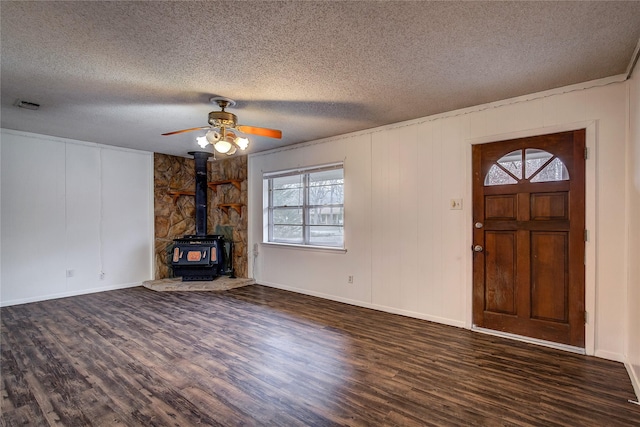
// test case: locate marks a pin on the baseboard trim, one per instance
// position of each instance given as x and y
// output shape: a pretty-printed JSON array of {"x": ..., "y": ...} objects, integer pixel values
[
  {"x": 616, "y": 357},
  {"x": 68, "y": 294},
  {"x": 392, "y": 310},
  {"x": 634, "y": 375},
  {"x": 530, "y": 340}
]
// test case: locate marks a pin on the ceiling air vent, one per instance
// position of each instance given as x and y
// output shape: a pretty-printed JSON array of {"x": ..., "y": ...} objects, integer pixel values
[{"x": 26, "y": 104}]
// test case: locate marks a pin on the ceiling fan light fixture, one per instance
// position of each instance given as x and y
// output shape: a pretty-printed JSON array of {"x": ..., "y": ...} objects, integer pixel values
[
  {"x": 232, "y": 151},
  {"x": 222, "y": 123},
  {"x": 202, "y": 141},
  {"x": 222, "y": 146},
  {"x": 213, "y": 136},
  {"x": 242, "y": 143}
]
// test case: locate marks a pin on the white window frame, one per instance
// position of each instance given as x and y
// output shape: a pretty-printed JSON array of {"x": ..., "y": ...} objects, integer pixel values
[{"x": 305, "y": 207}]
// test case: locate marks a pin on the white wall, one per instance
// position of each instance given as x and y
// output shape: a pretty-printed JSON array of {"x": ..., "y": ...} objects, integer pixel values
[
  {"x": 408, "y": 252},
  {"x": 633, "y": 215},
  {"x": 70, "y": 211}
]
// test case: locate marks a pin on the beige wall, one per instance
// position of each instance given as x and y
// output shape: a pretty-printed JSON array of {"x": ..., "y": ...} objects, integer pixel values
[
  {"x": 408, "y": 252},
  {"x": 633, "y": 216}
]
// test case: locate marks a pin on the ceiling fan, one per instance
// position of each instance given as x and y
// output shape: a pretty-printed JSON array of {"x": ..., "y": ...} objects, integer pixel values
[{"x": 222, "y": 124}]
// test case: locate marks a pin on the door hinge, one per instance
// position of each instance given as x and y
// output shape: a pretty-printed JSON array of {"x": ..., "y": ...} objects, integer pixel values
[
  {"x": 586, "y": 153},
  {"x": 586, "y": 235},
  {"x": 586, "y": 317}
]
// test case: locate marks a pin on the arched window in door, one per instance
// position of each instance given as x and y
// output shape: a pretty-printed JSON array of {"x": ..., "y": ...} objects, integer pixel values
[{"x": 531, "y": 164}]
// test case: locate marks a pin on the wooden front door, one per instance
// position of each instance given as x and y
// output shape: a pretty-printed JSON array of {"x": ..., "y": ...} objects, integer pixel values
[{"x": 528, "y": 236}]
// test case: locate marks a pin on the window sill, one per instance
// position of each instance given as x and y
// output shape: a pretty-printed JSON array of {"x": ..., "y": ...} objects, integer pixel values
[{"x": 331, "y": 249}]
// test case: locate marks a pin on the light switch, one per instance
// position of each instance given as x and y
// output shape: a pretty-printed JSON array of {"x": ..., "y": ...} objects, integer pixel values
[{"x": 455, "y": 204}]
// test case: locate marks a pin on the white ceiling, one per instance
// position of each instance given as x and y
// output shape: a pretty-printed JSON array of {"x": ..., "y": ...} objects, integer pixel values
[{"x": 122, "y": 73}]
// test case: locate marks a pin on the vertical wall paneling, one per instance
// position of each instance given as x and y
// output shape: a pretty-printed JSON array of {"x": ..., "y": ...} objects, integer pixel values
[
  {"x": 396, "y": 256},
  {"x": 568, "y": 108},
  {"x": 71, "y": 210},
  {"x": 125, "y": 216},
  {"x": 83, "y": 201},
  {"x": 408, "y": 219},
  {"x": 358, "y": 223},
  {"x": 632, "y": 330},
  {"x": 426, "y": 201},
  {"x": 455, "y": 226},
  {"x": 33, "y": 217},
  {"x": 515, "y": 117},
  {"x": 384, "y": 257},
  {"x": 430, "y": 215},
  {"x": 609, "y": 105}
]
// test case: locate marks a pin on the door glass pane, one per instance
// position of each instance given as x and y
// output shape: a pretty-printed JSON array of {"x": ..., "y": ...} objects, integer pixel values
[
  {"x": 534, "y": 159},
  {"x": 512, "y": 162},
  {"x": 554, "y": 171},
  {"x": 497, "y": 176}
]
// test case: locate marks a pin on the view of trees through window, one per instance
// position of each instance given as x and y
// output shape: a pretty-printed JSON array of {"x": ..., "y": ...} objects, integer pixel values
[{"x": 307, "y": 208}]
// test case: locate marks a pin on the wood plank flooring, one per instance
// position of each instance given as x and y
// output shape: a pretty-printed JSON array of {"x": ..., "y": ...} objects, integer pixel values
[{"x": 257, "y": 356}]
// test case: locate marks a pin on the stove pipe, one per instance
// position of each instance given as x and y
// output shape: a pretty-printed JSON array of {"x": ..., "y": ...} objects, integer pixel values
[{"x": 200, "y": 158}]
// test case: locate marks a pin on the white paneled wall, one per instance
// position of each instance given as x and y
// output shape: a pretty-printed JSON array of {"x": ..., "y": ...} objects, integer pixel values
[
  {"x": 127, "y": 216},
  {"x": 632, "y": 333},
  {"x": 75, "y": 217},
  {"x": 82, "y": 223},
  {"x": 32, "y": 233},
  {"x": 408, "y": 251}
]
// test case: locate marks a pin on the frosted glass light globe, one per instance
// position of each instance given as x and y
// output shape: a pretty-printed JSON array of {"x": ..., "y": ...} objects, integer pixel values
[
  {"x": 243, "y": 143},
  {"x": 222, "y": 146},
  {"x": 202, "y": 141}
]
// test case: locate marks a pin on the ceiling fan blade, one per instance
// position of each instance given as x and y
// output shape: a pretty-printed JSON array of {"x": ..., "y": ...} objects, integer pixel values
[
  {"x": 270, "y": 133},
  {"x": 185, "y": 130}
]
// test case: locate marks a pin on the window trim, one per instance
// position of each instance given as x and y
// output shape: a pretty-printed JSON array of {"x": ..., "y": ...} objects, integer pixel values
[
  {"x": 316, "y": 248},
  {"x": 267, "y": 179}
]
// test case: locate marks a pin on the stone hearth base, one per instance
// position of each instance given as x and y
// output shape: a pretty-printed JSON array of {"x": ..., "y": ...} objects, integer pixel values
[{"x": 222, "y": 283}]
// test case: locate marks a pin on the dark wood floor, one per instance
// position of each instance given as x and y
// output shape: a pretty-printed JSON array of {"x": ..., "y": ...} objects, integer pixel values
[{"x": 257, "y": 356}]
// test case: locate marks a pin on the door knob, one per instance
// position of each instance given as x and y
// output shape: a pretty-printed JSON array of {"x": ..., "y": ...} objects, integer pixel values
[
  {"x": 478, "y": 225},
  {"x": 477, "y": 248}
]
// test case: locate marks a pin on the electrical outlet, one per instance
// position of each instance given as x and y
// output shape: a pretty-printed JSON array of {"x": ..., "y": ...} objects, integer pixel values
[
  {"x": 455, "y": 204},
  {"x": 256, "y": 249},
  {"x": 101, "y": 275},
  {"x": 350, "y": 279},
  {"x": 70, "y": 273}
]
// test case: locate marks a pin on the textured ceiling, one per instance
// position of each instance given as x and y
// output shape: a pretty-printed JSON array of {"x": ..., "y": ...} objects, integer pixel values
[{"x": 121, "y": 73}]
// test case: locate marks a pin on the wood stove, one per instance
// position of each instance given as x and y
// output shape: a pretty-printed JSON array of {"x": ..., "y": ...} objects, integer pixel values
[{"x": 199, "y": 257}]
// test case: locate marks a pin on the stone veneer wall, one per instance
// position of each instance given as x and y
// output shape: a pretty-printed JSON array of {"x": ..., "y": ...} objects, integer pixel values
[
  {"x": 175, "y": 220},
  {"x": 231, "y": 168}
]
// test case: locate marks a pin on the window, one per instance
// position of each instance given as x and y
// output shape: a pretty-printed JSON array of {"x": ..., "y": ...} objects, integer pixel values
[
  {"x": 306, "y": 207},
  {"x": 539, "y": 166}
]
